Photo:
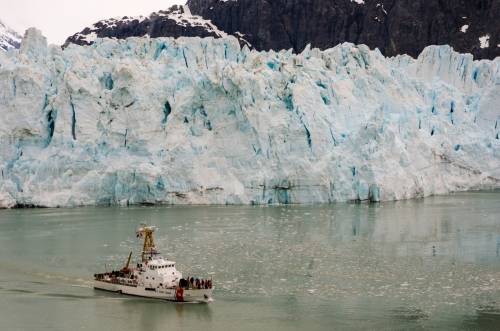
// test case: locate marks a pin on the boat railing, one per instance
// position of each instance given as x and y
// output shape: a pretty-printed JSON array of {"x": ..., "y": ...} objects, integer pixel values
[
  {"x": 111, "y": 277},
  {"x": 195, "y": 283}
]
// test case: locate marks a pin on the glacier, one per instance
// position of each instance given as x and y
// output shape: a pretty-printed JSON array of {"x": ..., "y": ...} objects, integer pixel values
[{"x": 204, "y": 121}]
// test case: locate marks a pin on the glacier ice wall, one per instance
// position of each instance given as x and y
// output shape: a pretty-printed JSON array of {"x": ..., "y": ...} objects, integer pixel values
[{"x": 203, "y": 121}]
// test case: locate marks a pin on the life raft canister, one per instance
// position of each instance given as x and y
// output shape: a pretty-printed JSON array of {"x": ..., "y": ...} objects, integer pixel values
[{"x": 179, "y": 294}]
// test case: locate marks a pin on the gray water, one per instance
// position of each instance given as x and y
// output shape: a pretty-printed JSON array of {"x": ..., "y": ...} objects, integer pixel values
[{"x": 431, "y": 263}]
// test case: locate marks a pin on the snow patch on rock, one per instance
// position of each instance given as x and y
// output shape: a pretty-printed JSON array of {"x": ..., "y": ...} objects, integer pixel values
[{"x": 484, "y": 41}]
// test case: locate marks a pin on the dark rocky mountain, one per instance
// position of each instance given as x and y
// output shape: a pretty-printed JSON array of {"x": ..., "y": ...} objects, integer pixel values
[
  {"x": 174, "y": 22},
  {"x": 393, "y": 26},
  {"x": 8, "y": 38}
]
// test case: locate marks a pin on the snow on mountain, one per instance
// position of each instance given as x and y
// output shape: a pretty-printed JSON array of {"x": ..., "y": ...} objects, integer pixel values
[
  {"x": 8, "y": 37},
  {"x": 484, "y": 41},
  {"x": 204, "y": 121},
  {"x": 177, "y": 21}
]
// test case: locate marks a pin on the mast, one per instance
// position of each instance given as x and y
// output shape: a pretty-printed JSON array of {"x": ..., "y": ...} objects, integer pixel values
[
  {"x": 149, "y": 247},
  {"x": 126, "y": 267}
]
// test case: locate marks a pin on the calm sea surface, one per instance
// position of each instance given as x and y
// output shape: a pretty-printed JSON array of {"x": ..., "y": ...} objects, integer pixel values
[{"x": 431, "y": 263}]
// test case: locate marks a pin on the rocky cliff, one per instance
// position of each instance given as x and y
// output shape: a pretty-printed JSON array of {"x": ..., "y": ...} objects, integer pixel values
[{"x": 393, "y": 26}]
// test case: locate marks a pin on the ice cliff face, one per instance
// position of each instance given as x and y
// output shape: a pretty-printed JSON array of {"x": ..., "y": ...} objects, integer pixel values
[{"x": 203, "y": 121}]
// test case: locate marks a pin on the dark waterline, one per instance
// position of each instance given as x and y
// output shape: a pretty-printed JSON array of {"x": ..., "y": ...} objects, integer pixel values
[
  {"x": 431, "y": 263},
  {"x": 148, "y": 204}
]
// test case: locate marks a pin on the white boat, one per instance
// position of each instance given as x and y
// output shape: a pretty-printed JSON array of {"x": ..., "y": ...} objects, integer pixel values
[{"x": 154, "y": 277}]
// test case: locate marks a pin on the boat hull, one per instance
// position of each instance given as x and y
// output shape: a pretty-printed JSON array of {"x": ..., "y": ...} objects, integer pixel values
[{"x": 169, "y": 294}]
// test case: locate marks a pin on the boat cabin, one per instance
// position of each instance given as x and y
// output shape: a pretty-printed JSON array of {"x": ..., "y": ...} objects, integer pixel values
[{"x": 159, "y": 272}]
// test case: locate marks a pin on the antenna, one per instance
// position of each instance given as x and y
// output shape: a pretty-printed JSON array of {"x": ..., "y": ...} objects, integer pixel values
[{"x": 149, "y": 247}]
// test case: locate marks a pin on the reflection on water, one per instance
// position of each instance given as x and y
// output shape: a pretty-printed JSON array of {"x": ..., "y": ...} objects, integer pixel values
[
  {"x": 485, "y": 318},
  {"x": 409, "y": 314},
  {"x": 164, "y": 314},
  {"x": 431, "y": 263}
]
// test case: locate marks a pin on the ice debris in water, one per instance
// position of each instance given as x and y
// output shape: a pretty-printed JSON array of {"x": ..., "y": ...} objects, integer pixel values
[{"x": 205, "y": 121}]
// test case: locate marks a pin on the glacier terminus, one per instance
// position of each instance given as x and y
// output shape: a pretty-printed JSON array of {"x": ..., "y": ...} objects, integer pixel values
[{"x": 205, "y": 121}]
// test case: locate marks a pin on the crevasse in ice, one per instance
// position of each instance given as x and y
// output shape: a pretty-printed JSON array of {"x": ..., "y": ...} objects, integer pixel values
[{"x": 203, "y": 121}]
